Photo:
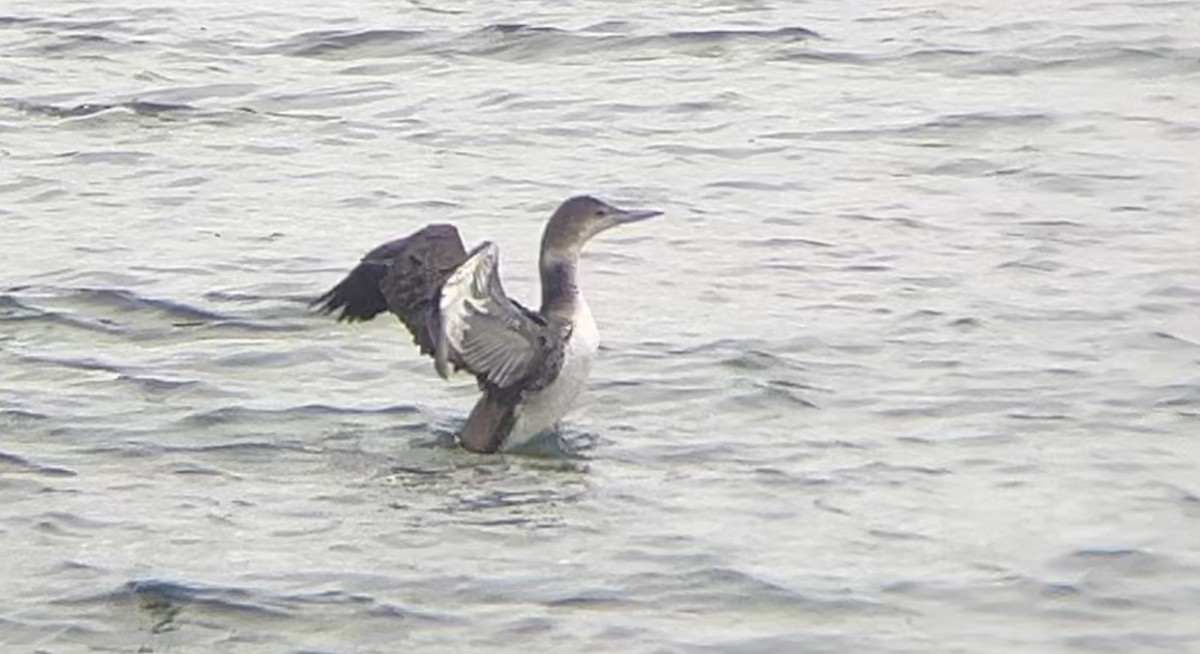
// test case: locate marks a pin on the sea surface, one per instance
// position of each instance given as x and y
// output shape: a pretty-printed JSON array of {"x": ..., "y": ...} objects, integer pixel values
[{"x": 910, "y": 364}]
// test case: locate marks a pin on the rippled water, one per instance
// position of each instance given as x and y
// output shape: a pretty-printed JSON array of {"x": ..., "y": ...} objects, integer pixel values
[{"x": 912, "y": 363}]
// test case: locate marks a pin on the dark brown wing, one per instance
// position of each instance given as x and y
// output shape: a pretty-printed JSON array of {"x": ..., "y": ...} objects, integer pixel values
[{"x": 404, "y": 276}]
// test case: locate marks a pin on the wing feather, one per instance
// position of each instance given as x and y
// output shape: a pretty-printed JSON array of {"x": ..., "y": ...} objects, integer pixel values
[
  {"x": 481, "y": 330},
  {"x": 451, "y": 301},
  {"x": 403, "y": 276}
]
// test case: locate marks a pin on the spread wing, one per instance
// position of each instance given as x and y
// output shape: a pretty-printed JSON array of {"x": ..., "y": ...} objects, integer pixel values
[
  {"x": 482, "y": 330},
  {"x": 403, "y": 276}
]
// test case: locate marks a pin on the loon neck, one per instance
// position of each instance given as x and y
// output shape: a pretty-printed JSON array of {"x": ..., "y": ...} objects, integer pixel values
[{"x": 561, "y": 296}]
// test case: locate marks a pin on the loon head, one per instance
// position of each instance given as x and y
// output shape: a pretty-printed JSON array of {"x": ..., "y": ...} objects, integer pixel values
[{"x": 577, "y": 220}]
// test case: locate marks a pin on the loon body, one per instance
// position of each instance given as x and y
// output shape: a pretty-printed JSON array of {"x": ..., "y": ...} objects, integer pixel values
[{"x": 530, "y": 365}]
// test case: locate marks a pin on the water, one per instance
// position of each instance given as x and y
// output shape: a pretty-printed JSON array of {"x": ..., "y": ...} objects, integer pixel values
[{"x": 911, "y": 363}]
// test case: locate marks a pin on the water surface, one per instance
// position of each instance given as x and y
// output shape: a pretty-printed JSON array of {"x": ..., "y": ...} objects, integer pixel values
[{"x": 911, "y": 363}]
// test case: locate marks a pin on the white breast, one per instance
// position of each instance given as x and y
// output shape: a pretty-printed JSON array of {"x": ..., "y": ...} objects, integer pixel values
[{"x": 541, "y": 410}]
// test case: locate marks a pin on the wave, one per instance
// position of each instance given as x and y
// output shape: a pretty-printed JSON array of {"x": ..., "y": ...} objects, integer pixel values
[
  {"x": 521, "y": 41},
  {"x": 777, "y": 34},
  {"x": 17, "y": 463},
  {"x": 1034, "y": 58},
  {"x": 963, "y": 124},
  {"x": 140, "y": 107},
  {"x": 125, "y": 312},
  {"x": 701, "y": 585},
  {"x": 135, "y": 109},
  {"x": 324, "y": 43},
  {"x": 164, "y": 600},
  {"x": 231, "y": 414}
]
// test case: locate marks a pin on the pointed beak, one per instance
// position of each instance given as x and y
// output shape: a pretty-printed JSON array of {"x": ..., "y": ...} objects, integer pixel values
[{"x": 634, "y": 215}]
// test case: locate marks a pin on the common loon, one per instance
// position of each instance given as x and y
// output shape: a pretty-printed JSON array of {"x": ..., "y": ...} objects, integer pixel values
[{"x": 530, "y": 365}]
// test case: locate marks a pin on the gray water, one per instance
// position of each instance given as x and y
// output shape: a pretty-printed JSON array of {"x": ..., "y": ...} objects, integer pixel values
[{"x": 911, "y": 363}]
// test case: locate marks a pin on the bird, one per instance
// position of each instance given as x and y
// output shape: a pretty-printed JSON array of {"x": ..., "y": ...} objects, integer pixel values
[{"x": 530, "y": 366}]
